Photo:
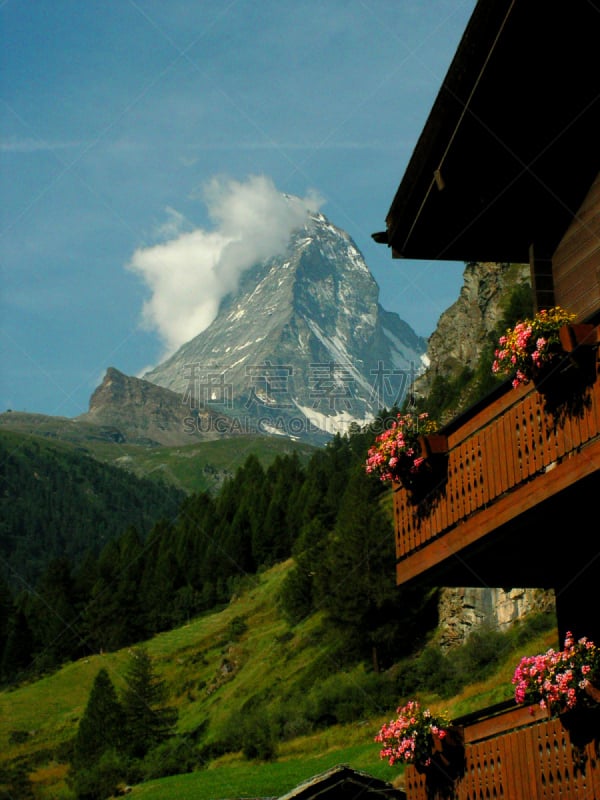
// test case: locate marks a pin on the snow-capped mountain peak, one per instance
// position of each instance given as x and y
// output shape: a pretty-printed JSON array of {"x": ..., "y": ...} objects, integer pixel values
[{"x": 302, "y": 347}]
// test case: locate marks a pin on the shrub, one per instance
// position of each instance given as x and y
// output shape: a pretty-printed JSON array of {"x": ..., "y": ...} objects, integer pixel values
[
  {"x": 101, "y": 779},
  {"x": 480, "y": 655},
  {"x": 258, "y": 737},
  {"x": 237, "y": 628},
  {"x": 296, "y": 598},
  {"x": 173, "y": 757},
  {"x": 18, "y": 737}
]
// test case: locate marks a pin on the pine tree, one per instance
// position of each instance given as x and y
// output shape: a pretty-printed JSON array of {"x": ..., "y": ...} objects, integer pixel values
[
  {"x": 101, "y": 726},
  {"x": 355, "y": 584},
  {"x": 98, "y": 765},
  {"x": 148, "y": 722}
]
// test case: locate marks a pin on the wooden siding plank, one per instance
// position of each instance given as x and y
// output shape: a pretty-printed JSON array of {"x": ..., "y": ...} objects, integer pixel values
[
  {"x": 580, "y": 233},
  {"x": 594, "y": 777},
  {"x": 510, "y": 451},
  {"x": 513, "y": 467},
  {"x": 520, "y": 434},
  {"x": 574, "y": 253},
  {"x": 528, "y": 421},
  {"x": 468, "y": 500},
  {"x": 570, "y": 433},
  {"x": 551, "y": 443},
  {"x": 530, "y": 761},
  {"x": 496, "y": 445},
  {"x": 579, "y": 292},
  {"x": 512, "y": 776},
  {"x": 501, "y": 431},
  {"x": 577, "y": 246},
  {"x": 542, "y": 432},
  {"x": 482, "y": 472},
  {"x": 518, "y": 717},
  {"x": 449, "y": 513},
  {"x": 487, "y": 463},
  {"x": 436, "y": 516}
]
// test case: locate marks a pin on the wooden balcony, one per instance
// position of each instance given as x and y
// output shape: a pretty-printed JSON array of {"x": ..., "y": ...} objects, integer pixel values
[
  {"x": 521, "y": 469},
  {"x": 519, "y": 753}
]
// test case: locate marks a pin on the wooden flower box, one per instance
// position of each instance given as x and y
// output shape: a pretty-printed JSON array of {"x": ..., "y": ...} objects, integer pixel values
[{"x": 433, "y": 444}]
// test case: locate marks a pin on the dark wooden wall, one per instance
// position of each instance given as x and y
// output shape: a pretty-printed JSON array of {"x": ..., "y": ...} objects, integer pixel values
[{"x": 576, "y": 261}]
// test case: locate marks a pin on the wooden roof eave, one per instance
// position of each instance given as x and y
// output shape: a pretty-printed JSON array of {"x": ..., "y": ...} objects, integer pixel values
[{"x": 505, "y": 157}]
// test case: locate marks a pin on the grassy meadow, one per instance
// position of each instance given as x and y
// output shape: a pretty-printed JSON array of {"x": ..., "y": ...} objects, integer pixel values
[{"x": 213, "y": 666}]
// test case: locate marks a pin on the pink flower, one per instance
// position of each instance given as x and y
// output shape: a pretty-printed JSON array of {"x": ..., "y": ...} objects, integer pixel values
[
  {"x": 408, "y": 738},
  {"x": 395, "y": 452},
  {"x": 529, "y": 344},
  {"x": 557, "y": 680}
]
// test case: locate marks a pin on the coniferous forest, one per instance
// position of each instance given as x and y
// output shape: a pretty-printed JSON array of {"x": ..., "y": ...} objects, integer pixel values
[
  {"x": 94, "y": 559},
  {"x": 106, "y": 591}
]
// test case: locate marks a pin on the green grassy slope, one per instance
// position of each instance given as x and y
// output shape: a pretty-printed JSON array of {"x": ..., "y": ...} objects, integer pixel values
[
  {"x": 211, "y": 673},
  {"x": 199, "y": 466}
]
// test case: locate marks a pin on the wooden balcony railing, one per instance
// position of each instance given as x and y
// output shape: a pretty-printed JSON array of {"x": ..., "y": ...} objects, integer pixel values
[
  {"x": 504, "y": 458},
  {"x": 520, "y": 754}
]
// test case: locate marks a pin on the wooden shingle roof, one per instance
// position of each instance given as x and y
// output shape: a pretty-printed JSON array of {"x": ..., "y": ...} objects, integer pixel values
[{"x": 344, "y": 783}]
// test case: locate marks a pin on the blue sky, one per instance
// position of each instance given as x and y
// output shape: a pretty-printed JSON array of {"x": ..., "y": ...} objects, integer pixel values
[{"x": 131, "y": 124}]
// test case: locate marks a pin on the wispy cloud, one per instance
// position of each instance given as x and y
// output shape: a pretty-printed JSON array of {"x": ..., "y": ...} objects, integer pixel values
[{"x": 191, "y": 272}]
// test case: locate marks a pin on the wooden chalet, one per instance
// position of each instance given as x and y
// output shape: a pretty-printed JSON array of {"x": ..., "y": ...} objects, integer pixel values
[{"x": 507, "y": 169}]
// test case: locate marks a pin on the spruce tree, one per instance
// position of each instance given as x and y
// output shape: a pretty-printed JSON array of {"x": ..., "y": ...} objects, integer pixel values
[
  {"x": 98, "y": 766},
  {"x": 101, "y": 726},
  {"x": 148, "y": 722}
]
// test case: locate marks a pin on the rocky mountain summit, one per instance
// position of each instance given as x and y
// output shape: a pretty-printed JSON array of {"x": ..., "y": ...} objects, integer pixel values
[
  {"x": 142, "y": 413},
  {"x": 302, "y": 348}
]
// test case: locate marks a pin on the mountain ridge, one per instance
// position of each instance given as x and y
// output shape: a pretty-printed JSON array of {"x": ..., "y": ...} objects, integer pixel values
[{"x": 148, "y": 414}]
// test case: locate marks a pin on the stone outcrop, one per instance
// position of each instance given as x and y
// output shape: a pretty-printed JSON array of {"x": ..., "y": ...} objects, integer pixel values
[
  {"x": 464, "y": 610},
  {"x": 464, "y": 329}
]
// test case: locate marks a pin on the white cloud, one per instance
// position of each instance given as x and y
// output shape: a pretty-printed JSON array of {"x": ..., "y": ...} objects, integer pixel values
[{"x": 189, "y": 274}]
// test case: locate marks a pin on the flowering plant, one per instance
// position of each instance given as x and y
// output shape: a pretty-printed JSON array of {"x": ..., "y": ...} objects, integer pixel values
[
  {"x": 409, "y": 738},
  {"x": 560, "y": 681},
  {"x": 396, "y": 451},
  {"x": 531, "y": 344}
]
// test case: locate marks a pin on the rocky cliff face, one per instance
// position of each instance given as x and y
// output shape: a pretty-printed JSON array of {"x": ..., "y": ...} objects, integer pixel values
[
  {"x": 460, "y": 336},
  {"x": 464, "y": 328},
  {"x": 142, "y": 413},
  {"x": 467, "y": 609}
]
